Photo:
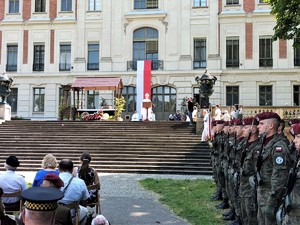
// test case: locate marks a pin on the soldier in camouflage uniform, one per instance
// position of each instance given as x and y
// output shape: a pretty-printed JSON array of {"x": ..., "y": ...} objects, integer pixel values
[
  {"x": 293, "y": 217},
  {"x": 236, "y": 161},
  {"x": 274, "y": 169},
  {"x": 248, "y": 164}
]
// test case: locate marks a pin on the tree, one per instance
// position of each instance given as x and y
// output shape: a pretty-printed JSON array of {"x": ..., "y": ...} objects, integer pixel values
[{"x": 287, "y": 14}]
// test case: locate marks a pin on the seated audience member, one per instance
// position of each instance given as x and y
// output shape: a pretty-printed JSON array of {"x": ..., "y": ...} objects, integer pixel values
[
  {"x": 74, "y": 189},
  {"x": 12, "y": 182},
  {"x": 135, "y": 116},
  {"x": 40, "y": 205},
  {"x": 49, "y": 165},
  {"x": 88, "y": 174},
  {"x": 63, "y": 214},
  {"x": 5, "y": 219},
  {"x": 100, "y": 220}
]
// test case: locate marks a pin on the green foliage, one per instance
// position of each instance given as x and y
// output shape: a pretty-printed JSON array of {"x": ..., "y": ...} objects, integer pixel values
[
  {"x": 189, "y": 199},
  {"x": 119, "y": 105},
  {"x": 287, "y": 14}
]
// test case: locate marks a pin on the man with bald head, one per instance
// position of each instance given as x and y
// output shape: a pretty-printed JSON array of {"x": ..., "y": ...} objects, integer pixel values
[{"x": 274, "y": 167}]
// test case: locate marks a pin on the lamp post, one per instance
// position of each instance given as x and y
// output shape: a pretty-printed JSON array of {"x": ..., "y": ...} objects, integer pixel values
[{"x": 206, "y": 83}]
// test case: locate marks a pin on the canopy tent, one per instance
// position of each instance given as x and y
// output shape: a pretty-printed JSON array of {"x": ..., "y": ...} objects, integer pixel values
[{"x": 98, "y": 83}]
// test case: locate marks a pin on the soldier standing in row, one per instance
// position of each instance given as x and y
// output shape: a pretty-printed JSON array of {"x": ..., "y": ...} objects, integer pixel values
[
  {"x": 273, "y": 165},
  {"x": 248, "y": 163}
]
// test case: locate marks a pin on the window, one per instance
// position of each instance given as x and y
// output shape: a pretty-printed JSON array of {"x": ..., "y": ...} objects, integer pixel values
[
  {"x": 232, "y": 53},
  {"x": 232, "y": 95},
  {"x": 297, "y": 56},
  {"x": 145, "y": 46},
  {"x": 40, "y": 5},
  {"x": 38, "y": 57},
  {"x": 265, "y": 52},
  {"x": 198, "y": 3},
  {"x": 145, "y": 4},
  {"x": 92, "y": 99},
  {"x": 164, "y": 99},
  {"x": 13, "y": 6},
  {"x": 232, "y": 2},
  {"x": 38, "y": 99},
  {"x": 265, "y": 95},
  {"x": 93, "y": 57},
  {"x": 129, "y": 94},
  {"x": 94, "y": 5},
  {"x": 263, "y": 1},
  {"x": 12, "y": 58},
  {"x": 296, "y": 95},
  {"x": 12, "y": 99},
  {"x": 199, "y": 53},
  {"x": 65, "y": 57},
  {"x": 66, "y": 5}
]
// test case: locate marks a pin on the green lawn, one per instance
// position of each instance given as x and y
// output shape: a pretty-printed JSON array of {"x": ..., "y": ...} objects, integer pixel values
[{"x": 189, "y": 199}]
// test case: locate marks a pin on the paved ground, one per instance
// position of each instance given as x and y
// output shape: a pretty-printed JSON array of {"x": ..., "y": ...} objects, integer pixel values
[{"x": 125, "y": 202}]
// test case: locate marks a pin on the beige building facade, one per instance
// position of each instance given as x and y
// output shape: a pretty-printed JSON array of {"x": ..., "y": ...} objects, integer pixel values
[{"x": 48, "y": 43}]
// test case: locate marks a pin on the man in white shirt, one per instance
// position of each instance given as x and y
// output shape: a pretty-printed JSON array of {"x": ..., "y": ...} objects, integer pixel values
[
  {"x": 218, "y": 113},
  {"x": 12, "y": 182}
]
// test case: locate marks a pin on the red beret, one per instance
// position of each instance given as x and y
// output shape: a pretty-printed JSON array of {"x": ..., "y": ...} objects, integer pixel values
[
  {"x": 54, "y": 179},
  {"x": 267, "y": 115},
  {"x": 293, "y": 121},
  {"x": 250, "y": 121},
  {"x": 219, "y": 121},
  {"x": 214, "y": 123},
  {"x": 238, "y": 122},
  {"x": 295, "y": 129}
]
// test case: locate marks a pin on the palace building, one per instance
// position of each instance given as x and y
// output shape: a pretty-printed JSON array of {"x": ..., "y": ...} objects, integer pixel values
[{"x": 46, "y": 44}]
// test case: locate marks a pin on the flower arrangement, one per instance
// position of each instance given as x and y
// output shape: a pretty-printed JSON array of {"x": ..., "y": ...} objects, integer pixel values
[{"x": 119, "y": 105}]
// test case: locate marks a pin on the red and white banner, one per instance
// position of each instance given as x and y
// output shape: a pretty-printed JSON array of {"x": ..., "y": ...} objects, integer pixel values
[{"x": 143, "y": 83}]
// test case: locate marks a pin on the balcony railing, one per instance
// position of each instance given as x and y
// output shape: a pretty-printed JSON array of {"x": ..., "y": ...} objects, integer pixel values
[
  {"x": 155, "y": 65},
  {"x": 11, "y": 67},
  {"x": 232, "y": 63},
  {"x": 38, "y": 67},
  {"x": 93, "y": 66},
  {"x": 265, "y": 62},
  {"x": 64, "y": 67}
]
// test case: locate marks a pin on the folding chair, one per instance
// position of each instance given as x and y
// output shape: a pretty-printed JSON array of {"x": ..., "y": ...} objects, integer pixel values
[
  {"x": 97, "y": 200},
  {"x": 12, "y": 195},
  {"x": 75, "y": 205}
]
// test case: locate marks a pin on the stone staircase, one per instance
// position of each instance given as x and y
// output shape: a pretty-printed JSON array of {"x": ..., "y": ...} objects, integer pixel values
[{"x": 115, "y": 147}]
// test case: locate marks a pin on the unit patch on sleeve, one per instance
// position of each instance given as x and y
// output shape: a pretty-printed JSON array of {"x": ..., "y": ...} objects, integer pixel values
[
  {"x": 279, "y": 160},
  {"x": 279, "y": 149}
]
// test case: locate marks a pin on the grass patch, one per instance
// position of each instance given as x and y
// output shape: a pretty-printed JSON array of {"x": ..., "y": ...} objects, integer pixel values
[{"x": 189, "y": 199}]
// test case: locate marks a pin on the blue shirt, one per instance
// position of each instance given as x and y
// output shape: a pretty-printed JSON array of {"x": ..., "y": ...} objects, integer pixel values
[{"x": 39, "y": 177}]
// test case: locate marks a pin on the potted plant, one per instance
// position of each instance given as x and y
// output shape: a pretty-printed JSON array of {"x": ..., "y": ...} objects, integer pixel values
[{"x": 119, "y": 105}]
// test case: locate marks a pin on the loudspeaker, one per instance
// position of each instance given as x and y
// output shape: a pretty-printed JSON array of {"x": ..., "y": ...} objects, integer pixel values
[{"x": 204, "y": 102}]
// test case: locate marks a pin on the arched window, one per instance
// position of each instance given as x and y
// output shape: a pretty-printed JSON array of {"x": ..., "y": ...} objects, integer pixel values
[
  {"x": 145, "y": 46},
  {"x": 164, "y": 100}
]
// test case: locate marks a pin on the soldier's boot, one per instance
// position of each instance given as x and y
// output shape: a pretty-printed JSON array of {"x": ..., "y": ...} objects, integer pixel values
[
  {"x": 237, "y": 221},
  {"x": 230, "y": 216},
  {"x": 228, "y": 212},
  {"x": 223, "y": 205},
  {"x": 217, "y": 196}
]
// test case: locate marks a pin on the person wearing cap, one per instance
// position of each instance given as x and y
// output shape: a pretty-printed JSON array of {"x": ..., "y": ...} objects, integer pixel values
[
  {"x": 292, "y": 148},
  {"x": 293, "y": 217},
  {"x": 49, "y": 165},
  {"x": 248, "y": 169},
  {"x": 40, "y": 205},
  {"x": 274, "y": 167},
  {"x": 63, "y": 213},
  {"x": 12, "y": 182},
  {"x": 74, "y": 189}
]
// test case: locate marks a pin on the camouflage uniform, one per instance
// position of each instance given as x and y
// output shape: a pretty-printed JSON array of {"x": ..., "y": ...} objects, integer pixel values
[
  {"x": 248, "y": 193},
  {"x": 274, "y": 173}
]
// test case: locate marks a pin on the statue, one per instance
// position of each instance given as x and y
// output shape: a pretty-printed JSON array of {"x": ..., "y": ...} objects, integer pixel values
[{"x": 5, "y": 84}]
